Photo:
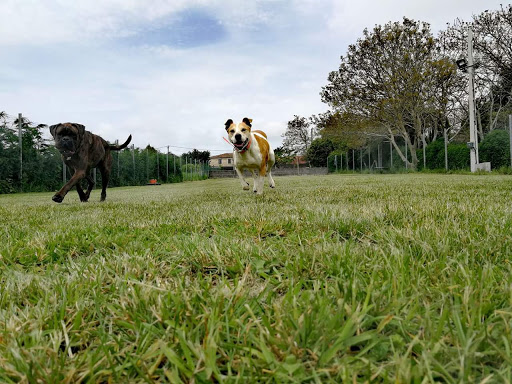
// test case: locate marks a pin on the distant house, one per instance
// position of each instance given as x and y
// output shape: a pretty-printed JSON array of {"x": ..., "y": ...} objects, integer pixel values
[{"x": 221, "y": 161}]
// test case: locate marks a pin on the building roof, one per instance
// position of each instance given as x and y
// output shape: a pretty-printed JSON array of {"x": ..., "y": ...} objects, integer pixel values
[{"x": 223, "y": 156}]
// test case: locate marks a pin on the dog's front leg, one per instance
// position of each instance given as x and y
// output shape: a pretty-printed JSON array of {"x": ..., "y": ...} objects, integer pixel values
[
  {"x": 90, "y": 186},
  {"x": 81, "y": 193},
  {"x": 255, "y": 181},
  {"x": 259, "y": 181},
  {"x": 77, "y": 176},
  {"x": 245, "y": 184}
]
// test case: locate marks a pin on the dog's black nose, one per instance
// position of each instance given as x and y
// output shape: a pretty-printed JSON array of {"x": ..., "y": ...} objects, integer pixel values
[{"x": 238, "y": 137}]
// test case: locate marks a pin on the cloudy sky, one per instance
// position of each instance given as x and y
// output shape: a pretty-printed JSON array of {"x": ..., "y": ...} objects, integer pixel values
[{"x": 171, "y": 72}]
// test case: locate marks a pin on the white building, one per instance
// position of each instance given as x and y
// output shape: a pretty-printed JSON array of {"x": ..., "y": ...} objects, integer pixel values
[{"x": 221, "y": 161}]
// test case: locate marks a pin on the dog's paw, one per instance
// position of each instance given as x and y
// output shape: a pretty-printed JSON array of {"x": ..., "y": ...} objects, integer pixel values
[{"x": 57, "y": 198}]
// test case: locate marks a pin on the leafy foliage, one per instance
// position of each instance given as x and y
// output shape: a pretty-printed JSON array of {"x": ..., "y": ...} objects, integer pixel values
[
  {"x": 298, "y": 136},
  {"x": 43, "y": 166},
  {"x": 199, "y": 156},
  {"x": 391, "y": 79},
  {"x": 458, "y": 155},
  {"x": 319, "y": 151},
  {"x": 495, "y": 148}
]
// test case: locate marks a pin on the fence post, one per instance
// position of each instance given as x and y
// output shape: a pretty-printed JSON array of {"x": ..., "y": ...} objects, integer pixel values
[
  {"x": 391, "y": 154},
  {"x": 147, "y": 164},
  {"x": 167, "y": 163},
  {"x": 510, "y": 131},
  {"x": 424, "y": 151},
  {"x": 118, "y": 173},
  {"x": 445, "y": 149},
  {"x": 157, "y": 165},
  {"x": 20, "y": 141},
  {"x": 406, "y": 154},
  {"x": 379, "y": 155},
  {"x": 133, "y": 158}
]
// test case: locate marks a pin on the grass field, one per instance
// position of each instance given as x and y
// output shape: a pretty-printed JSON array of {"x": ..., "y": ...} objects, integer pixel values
[{"x": 342, "y": 278}]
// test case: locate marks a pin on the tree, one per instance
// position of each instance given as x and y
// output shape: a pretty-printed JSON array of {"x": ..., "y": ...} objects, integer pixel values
[
  {"x": 8, "y": 156},
  {"x": 345, "y": 129},
  {"x": 42, "y": 163},
  {"x": 298, "y": 135},
  {"x": 282, "y": 156},
  {"x": 318, "y": 152},
  {"x": 495, "y": 147},
  {"x": 195, "y": 154},
  {"x": 389, "y": 80}
]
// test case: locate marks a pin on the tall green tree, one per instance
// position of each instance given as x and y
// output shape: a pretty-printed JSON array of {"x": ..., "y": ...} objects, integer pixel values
[
  {"x": 298, "y": 135},
  {"x": 390, "y": 80},
  {"x": 197, "y": 155},
  {"x": 318, "y": 152}
]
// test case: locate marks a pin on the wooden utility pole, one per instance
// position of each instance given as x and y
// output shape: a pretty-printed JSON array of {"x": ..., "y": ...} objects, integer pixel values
[{"x": 473, "y": 136}]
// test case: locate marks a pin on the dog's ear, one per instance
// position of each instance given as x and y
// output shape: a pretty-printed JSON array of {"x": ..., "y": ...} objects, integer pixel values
[
  {"x": 53, "y": 128},
  {"x": 228, "y": 124},
  {"x": 80, "y": 127},
  {"x": 247, "y": 121}
]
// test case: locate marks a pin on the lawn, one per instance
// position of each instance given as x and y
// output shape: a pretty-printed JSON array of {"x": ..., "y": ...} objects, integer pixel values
[{"x": 340, "y": 278}]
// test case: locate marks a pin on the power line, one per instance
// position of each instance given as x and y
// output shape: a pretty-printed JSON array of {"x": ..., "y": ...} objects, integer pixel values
[{"x": 175, "y": 146}]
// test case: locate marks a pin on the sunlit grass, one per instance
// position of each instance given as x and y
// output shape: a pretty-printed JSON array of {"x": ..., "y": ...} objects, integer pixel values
[{"x": 398, "y": 278}]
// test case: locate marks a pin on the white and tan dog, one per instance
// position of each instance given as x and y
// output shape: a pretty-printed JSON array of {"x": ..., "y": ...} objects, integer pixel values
[{"x": 251, "y": 151}]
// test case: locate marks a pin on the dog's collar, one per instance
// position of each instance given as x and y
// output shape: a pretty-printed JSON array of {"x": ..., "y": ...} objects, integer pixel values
[{"x": 244, "y": 148}]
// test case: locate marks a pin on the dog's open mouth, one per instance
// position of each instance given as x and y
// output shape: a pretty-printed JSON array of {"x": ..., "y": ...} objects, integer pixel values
[
  {"x": 67, "y": 152},
  {"x": 241, "y": 145}
]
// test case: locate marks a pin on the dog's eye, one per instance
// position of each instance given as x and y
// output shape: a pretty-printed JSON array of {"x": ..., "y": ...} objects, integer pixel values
[
  {"x": 232, "y": 131},
  {"x": 243, "y": 129}
]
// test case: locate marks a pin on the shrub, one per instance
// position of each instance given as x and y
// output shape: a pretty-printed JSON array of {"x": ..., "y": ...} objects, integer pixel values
[
  {"x": 458, "y": 155},
  {"x": 495, "y": 147},
  {"x": 318, "y": 151}
]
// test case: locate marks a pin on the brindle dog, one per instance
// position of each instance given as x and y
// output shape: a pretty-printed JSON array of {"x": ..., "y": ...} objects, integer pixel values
[{"x": 82, "y": 151}]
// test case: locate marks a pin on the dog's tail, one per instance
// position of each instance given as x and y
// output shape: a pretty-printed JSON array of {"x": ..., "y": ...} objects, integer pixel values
[{"x": 122, "y": 146}]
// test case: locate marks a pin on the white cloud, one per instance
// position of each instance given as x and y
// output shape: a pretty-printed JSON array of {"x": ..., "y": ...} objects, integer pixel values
[{"x": 70, "y": 61}]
